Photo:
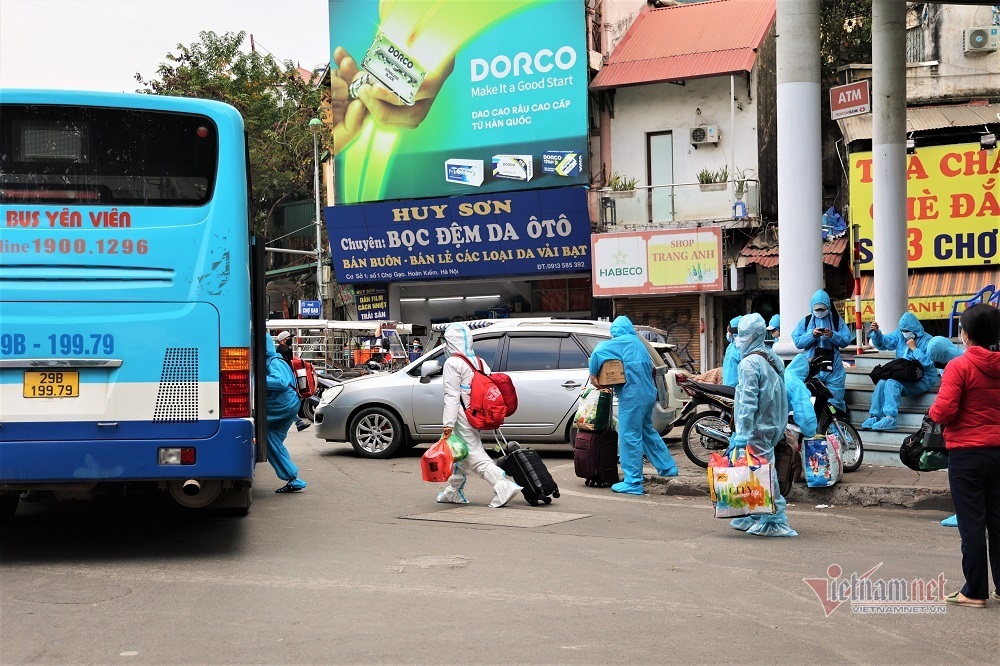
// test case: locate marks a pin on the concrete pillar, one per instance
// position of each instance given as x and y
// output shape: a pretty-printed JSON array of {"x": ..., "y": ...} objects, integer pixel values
[
  {"x": 800, "y": 173},
  {"x": 889, "y": 160}
]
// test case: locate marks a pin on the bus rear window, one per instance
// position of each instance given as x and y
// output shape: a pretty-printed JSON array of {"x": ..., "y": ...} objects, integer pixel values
[{"x": 63, "y": 155}]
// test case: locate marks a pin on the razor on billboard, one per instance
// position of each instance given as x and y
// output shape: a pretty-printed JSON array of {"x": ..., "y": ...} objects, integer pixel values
[{"x": 454, "y": 97}]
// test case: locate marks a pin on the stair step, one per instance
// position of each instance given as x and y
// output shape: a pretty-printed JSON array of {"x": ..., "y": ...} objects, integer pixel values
[
  {"x": 907, "y": 420},
  {"x": 861, "y": 407},
  {"x": 883, "y": 441}
]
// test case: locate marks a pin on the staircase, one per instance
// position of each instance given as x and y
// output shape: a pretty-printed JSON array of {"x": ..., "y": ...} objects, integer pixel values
[{"x": 881, "y": 448}]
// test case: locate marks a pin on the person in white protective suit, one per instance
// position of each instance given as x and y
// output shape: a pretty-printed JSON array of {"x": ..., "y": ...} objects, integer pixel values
[{"x": 457, "y": 388}]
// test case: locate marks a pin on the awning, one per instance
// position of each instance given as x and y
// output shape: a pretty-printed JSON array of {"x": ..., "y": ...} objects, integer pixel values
[
  {"x": 765, "y": 252},
  {"x": 855, "y": 128},
  {"x": 932, "y": 293}
]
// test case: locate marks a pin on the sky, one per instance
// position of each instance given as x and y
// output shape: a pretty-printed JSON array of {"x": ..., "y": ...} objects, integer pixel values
[{"x": 102, "y": 44}]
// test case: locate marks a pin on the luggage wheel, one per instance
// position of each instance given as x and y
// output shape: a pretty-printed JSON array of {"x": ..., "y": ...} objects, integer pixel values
[
  {"x": 547, "y": 500},
  {"x": 533, "y": 502},
  {"x": 555, "y": 494}
]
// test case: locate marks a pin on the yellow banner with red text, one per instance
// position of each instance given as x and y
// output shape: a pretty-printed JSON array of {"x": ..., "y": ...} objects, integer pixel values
[{"x": 953, "y": 206}]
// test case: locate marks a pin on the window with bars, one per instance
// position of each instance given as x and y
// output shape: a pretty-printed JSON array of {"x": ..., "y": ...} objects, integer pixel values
[{"x": 915, "y": 44}]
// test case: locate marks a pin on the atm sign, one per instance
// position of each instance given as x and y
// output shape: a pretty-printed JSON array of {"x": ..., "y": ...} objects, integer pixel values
[{"x": 850, "y": 100}]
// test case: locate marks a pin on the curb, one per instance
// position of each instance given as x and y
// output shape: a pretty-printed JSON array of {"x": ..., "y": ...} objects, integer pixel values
[{"x": 842, "y": 494}]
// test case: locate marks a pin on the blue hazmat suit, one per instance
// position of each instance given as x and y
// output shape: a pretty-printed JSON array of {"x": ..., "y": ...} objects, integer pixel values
[
  {"x": 636, "y": 398},
  {"x": 835, "y": 379},
  {"x": 759, "y": 419},
  {"x": 941, "y": 350},
  {"x": 775, "y": 322},
  {"x": 282, "y": 408},
  {"x": 803, "y": 411},
  {"x": 885, "y": 400},
  {"x": 731, "y": 361}
]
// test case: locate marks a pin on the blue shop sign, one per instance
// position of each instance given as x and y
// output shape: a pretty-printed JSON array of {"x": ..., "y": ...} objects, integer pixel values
[
  {"x": 499, "y": 235},
  {"x": 309, "y": 308}
]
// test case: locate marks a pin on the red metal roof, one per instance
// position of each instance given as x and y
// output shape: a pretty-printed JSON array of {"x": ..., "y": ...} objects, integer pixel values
[
  {"x": 688, "y": 42},
  {"x": 766, "y": 254}
]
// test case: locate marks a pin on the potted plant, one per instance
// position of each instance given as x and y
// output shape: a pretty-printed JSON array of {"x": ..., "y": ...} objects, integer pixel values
[
  {"x": 713, "y": 181},
  {"x": 740, "y": 184},
  {"x": 619, "y": 185}
]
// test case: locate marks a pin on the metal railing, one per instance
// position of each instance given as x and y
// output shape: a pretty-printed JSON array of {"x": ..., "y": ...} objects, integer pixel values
[{"x": 652, "y": 206}]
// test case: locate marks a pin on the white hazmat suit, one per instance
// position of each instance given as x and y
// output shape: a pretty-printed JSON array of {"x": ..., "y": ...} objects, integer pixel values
[{"x": 457, "y": 377}]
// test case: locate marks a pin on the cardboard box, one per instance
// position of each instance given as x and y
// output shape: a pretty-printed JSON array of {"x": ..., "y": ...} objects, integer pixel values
[{"x": 612, "y": 373}]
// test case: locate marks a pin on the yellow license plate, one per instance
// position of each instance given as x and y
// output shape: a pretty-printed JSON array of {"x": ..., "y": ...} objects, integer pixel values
[{"x": 52, "y": 384}]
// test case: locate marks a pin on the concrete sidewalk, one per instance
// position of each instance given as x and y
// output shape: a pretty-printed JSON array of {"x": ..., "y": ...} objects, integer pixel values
[{"x": 871, "y": 485}]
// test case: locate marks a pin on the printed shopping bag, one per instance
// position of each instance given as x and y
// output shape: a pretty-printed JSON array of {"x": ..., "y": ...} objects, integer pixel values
[
  {"x": 821, "y": 461},
  {"x": 741, "y": 485},
  {"x": 437, "y": 462},
  {"x": 594, "y": 412}
]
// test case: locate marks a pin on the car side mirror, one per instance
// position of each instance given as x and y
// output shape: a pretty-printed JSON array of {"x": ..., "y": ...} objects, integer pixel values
[{"x": 428, "y": 369}]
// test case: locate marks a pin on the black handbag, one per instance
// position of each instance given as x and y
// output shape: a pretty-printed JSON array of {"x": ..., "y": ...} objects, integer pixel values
[
  {"x": 900, "y": 369},
  {"x": 924, "y": 450}
]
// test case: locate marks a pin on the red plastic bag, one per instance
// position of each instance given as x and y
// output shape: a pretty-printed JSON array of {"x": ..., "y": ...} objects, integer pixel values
[{"x": 437, "y": 462}]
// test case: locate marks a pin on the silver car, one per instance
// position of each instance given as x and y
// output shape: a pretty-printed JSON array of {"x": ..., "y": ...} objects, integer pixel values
[{"x": 383, "y": 413}]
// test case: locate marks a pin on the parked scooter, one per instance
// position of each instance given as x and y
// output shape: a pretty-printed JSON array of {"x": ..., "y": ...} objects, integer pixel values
[
  {"x": 708, "y": 431},
  {"x": 833, "y": 421},
  {"x": 707, "y": 419},
  {"x": 308, "y": 408}
]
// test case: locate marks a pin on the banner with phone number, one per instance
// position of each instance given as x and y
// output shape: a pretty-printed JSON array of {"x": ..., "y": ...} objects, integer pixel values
[{"x": 953, "y": 206}]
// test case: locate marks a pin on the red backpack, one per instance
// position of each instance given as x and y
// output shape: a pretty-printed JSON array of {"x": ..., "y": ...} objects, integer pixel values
[
  {"x": 491, "y": 399},
  {"x": 305, "y": 377}
]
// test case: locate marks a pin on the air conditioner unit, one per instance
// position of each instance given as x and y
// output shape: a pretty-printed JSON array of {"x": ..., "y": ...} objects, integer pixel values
[
  {"x": 704, "y": 134},
  {"x": 982, "y": 39}
]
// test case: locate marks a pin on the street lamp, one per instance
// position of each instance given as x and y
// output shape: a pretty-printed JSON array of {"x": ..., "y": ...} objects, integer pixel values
[{"x": 315, "y": 125}]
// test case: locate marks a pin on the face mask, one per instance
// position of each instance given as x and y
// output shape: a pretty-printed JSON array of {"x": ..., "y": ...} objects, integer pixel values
[
  {"x": 909, "y": 336},
  {"x": 819, "y": 314}
]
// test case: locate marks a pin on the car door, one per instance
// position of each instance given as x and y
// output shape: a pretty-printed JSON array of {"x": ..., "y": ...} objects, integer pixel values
[
  {"x": 428, "y": 396},
  {"x": 548, "y": 371}
]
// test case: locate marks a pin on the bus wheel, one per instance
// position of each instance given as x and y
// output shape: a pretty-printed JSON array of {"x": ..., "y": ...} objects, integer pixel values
[
  {"x": 236, "y": 502},
  {"x": 8, "y": 506}
]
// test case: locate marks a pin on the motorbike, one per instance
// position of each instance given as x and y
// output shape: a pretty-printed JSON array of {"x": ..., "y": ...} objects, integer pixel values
[
  {"x": 707, "y": 419},
  {"x": 708, "y": 431},
  {"x": 830, "y": 420},
  {"x": 308, "y": 408}
]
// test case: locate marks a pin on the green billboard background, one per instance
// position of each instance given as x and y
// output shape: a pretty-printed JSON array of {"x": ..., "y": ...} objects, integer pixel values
[{"x": 502, "y": 79}]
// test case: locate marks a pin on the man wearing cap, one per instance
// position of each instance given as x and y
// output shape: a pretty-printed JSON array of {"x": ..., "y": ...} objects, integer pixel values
[
  {"x": 284, "y": 348},
  {"x": 774, "y": 327}
]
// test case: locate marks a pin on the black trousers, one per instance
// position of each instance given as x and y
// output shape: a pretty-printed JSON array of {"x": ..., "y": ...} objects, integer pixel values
[{"x": 974, "y": 477}]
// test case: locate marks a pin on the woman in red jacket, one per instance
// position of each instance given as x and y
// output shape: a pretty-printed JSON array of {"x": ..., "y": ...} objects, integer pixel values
[{"x": 968, "y": 403}]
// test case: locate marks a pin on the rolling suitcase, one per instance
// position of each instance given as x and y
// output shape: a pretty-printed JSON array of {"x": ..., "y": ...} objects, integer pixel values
[
  {"x": 528, "y": 471},
  {"x": 595, "y": 457}
]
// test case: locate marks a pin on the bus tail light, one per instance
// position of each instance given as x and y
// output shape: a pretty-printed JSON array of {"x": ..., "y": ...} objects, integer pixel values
[{"x": 234, "y": 382}]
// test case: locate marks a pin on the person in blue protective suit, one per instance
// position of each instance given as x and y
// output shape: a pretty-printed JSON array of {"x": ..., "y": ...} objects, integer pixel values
[
  {"x": 910, "y": 341},
  {"x": 773, "y": 329},
  {"x": 759, "y": 418},
  {"x": 731, "y": 361},
  {"x": 636, "y": 398},
  {"x": 799, "y": 398},
  {"x": 823, "y": 333},
  {"x": 282, "y": 408}
]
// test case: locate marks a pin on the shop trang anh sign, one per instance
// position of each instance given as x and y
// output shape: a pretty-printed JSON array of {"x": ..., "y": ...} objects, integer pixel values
[{"x": 657, "y": 262}]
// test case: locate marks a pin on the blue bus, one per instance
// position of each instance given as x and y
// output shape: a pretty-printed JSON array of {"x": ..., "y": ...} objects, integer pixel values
[{"x": 130, "y": 285}]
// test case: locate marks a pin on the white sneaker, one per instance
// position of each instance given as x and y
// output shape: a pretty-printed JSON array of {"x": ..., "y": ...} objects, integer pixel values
[
  {"x": 505, "y": 492},
  {"x": 452, "y": 495}
]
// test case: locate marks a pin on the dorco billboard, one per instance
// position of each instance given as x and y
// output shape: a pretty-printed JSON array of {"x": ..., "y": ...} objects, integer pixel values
[{"x": 453, "y": 97}]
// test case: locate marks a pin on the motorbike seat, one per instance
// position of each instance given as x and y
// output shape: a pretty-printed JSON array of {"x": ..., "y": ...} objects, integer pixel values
[{"x": 717, "y": 389}]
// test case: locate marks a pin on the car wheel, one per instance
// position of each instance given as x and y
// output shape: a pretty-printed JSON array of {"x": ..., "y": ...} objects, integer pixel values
[
  {"x": 376, "y": 433},
  {"x": 8, "y": 506},
  {"x": 308, "y": 410}
]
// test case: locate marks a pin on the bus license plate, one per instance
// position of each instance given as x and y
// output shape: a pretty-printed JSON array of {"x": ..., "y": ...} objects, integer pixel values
[{"x": 52, "y": 384}]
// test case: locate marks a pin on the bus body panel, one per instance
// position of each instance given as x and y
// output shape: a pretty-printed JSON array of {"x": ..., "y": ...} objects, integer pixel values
[
  {"x": 229, "y": 454},
  {"x": 159, "y": 279}
]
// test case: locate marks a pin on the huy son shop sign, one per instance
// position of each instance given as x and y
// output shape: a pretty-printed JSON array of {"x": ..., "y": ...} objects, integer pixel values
[
  {"x": 657, "y": 262},
  {"x": 953, "y": 206}
]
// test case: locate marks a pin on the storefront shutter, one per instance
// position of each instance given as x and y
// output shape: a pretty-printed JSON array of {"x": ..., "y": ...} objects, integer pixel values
[{"x": 677, "y": 315}]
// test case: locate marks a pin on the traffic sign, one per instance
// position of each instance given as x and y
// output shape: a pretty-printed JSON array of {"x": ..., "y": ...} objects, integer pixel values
[
  {"x": 850, "y": 100},
  {"x": 309, "y": 308}
]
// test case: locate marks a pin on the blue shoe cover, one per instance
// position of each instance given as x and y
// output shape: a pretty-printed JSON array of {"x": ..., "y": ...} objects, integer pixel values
[
  {"x": 885, "y": 424},
  {"x": 667, "y": 473},
  {"x": 869, "y": 422},
  {"x": 293, "y": 486},
  {"x": 628, "y": 488},
  {"x": 951, "y": 521},
  {"x": 769, "y": 529},
  {"x": 743, "y": 523}
]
